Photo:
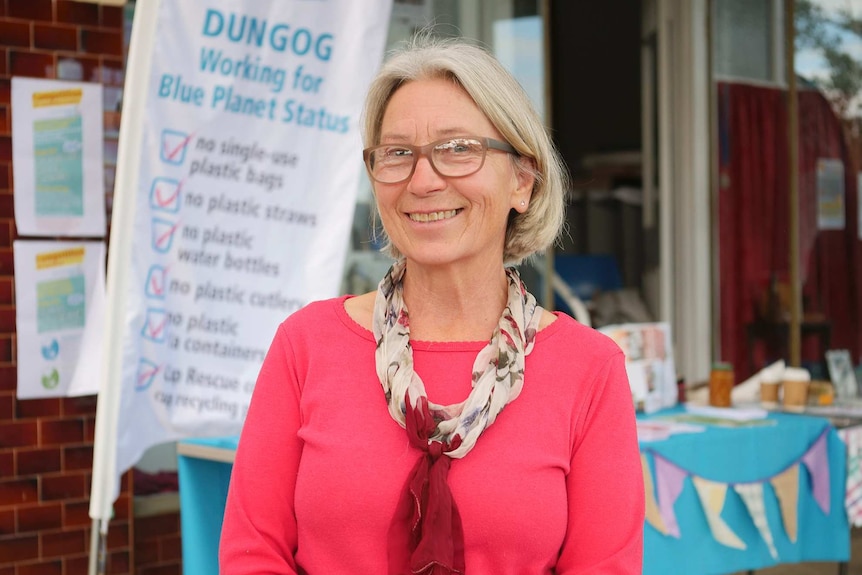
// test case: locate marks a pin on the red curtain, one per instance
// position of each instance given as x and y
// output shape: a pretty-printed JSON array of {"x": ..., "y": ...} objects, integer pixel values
[{"x": 753, "y": 219}]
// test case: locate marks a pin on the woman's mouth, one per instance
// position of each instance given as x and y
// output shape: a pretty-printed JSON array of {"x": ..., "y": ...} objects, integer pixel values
[{"x": 424, "y": 217}]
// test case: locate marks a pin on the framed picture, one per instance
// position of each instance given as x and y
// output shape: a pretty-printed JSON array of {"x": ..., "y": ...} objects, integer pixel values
[{"x": 841, "y": 373}]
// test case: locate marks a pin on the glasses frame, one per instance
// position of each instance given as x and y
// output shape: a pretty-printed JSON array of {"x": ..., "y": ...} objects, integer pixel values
[{"x": 425, "y": 151}]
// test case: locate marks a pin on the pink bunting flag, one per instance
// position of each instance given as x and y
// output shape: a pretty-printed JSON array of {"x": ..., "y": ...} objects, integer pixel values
[
  {"x": 669, "y": 481},
  {"x": 816, "y": 460}
]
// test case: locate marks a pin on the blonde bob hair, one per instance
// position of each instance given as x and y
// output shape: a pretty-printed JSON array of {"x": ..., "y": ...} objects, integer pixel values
[{"x": 503, "y": 101}]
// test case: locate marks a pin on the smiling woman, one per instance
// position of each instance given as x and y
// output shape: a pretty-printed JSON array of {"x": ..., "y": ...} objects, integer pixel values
[{"x": 377, "y": 440}]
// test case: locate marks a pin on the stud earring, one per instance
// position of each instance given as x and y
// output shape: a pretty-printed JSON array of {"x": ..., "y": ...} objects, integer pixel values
[{"x": 523, "y": 203}]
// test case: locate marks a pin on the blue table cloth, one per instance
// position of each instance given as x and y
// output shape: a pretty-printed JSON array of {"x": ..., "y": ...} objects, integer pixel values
[{"x": 736, "y": 455}]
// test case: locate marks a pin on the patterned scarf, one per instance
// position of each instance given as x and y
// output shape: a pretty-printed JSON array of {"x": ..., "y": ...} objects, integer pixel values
[{"x": 426, "y": 536}]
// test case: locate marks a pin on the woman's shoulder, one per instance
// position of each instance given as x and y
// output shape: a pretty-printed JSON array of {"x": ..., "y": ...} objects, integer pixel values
[{"x": 567, "y": 335}]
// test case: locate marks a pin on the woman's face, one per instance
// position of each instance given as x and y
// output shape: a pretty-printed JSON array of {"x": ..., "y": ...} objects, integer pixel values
[{"x": 435, "y": 220}]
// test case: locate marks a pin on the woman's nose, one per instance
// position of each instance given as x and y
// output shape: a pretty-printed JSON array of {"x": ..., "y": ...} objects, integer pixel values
[{"x": 425, "y": 178}]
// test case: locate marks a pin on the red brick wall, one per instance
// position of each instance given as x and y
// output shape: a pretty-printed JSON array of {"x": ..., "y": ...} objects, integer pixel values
[{"x": 46, "y": 445}]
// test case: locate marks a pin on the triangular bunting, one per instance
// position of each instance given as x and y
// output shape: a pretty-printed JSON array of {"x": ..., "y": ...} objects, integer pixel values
[
  {"x": 669, "y": 479},
  {"x": 712, "y": 496},
  {"x": 786, "y": 485},
  {"x": 817, "y": 461},
  {"x": 653, "y": 516},
  {"x": 752, "y": 496}
]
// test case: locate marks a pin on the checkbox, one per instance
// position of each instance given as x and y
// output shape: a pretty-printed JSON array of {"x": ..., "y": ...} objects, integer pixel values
[
  {"x": 155, "y": 325},
  {"x": 156, "y": 284},
  {"x": 147, "y": 372},
  {"x": 163, "y": 234},
  {"x": 165, "y": 195},
  {"x": 173, "y": 146}
]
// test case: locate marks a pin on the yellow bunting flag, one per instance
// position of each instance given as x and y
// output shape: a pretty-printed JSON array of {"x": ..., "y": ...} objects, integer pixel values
[
  {"x": 653, "y": 516},
  {"x": 752, "y": 496},
  {"x": 786, "y": 485},
  {"x": 712, "y": 497}
]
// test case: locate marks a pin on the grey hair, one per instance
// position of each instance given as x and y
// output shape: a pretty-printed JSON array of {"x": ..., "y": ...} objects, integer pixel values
[{"x": 503, "y": 101}]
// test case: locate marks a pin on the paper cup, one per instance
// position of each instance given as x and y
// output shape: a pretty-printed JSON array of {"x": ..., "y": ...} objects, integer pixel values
[
  {"x": 795, "y": 383},
  {"x": 769, "y": 393}
]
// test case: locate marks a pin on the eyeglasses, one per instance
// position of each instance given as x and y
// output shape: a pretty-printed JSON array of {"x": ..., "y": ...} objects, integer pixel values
[{"x": 450, "y": 158}]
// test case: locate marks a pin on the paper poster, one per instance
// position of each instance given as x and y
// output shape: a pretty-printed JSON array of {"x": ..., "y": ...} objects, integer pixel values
[
  {"x": 60, "y": 307},
  {"x": 57, "y": 150},
  {"x": 649, "y": 363},
  {"x": 830, "y": 194},
  {"x": 249, "y": 165}
]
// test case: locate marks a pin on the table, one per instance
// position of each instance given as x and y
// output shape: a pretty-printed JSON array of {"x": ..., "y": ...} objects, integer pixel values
[
  {"x": 748, "y": 455},
  {"x": 720, "y": 454}
]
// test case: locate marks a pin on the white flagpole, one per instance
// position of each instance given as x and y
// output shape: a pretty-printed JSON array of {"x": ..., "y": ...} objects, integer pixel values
[{"x": 105, "y": 484}]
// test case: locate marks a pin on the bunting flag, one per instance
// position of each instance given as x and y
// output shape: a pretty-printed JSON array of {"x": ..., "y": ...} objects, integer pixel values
[
  {"x": 663, "y": 492},
  {"x": 816, "y": 459},
  {"x": 653, "y": 516},
  {"x": 712, "y": 495},
  {"x": 786, "y": 486},
  {"x": 852, "y": 438},
  {"x": 669, "y": 479},
  {"x": 752, "y": 496}
]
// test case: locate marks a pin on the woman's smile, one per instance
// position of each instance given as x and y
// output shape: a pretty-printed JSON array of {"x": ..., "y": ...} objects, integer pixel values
[{"x": 426, "y": 217}]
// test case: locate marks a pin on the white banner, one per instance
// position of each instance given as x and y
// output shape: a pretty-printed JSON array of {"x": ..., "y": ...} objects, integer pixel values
[
  {"x": 57, "y": 149},
  {"x": 59, "y": 316},
  {"x": 250, "y": 159}
]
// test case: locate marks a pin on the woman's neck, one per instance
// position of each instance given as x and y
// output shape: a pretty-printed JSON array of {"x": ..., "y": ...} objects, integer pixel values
[{"x": 447, "y": 304}]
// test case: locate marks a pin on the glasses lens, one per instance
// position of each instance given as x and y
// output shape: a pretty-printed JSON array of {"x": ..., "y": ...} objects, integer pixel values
[
  {"x": 390, "y": 164},
  {"x": 459, "y": 156}
]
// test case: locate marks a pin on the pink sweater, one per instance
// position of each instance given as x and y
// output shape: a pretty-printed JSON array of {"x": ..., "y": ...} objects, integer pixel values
[{"x": 553, "y": 486}]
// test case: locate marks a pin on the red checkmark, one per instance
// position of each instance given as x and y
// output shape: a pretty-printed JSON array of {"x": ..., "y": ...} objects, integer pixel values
[
  {"x": 156, "y": 331},
  {"x": 172, "y": 153},
  {"x": 165, "y": 202},
  {"x": 147, "y": 375},
  {"x": 155, "y": 286},
  {"x": 167, "y": 235}
]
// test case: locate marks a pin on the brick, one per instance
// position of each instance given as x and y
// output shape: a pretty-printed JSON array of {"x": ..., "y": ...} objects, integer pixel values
[
  {"x": 7, "y": 522},
  {"x": 156, "y": 526},
  {"x": 112, "y": 16},
  {"x": 40, "y": 518},
  {"x": 7, "y": 319},
  {"x": 6, "y": 234},
  {"x": 36, "y": 461},
  {"x": 18, "y": 434},
  {"x": 20, "y": 548},
  {"x": 60, "y": 431},
  {"x": 7, "y": 463},
  {"x": 146, "y": 552},
  {"x": 44, "y": 407},
  {"x": 118, "y": 535},
  {"x": 170, "y": 548},
  {"x": 30, "y": 9},
  {"x": 5, "y": 128},
  {"x": 6, "y": 291},
  {"x": 33, "y": 64},
  {"x": 7, "y": 407},
  {"x": 83, "y": 405},
  {"x": 6, "y": 156},
  {"x": 4, "y": 65},
  {"x": 118, "y": 562},
  {"x": 15, "y": 33},
  {"x": 161, "y": 570},
  {"x": 99, "y": 42},
  {"x": 76, "y": 458},
  {"x": 5, "y": 89},
  {"x": 76, "y": 564},
  {"x": 63, "y": 543},
  {"x": 123, "y": 507},
  {"x": 7, "y": 205},
  {"x": 50, "y": 37},
  {"x": 90, "y": 429},
  {"x": 67, "y": 486},
  {"x": 76, "y": 514},
  {"x": 8, "y": 377},
  {"x": 17, "y": 491},
  {"x": 6, "y": 356},
  {"x": 42, "y": 568},
  {"x": 84, "y": 13},
  {"x": 5, "y": 168}
]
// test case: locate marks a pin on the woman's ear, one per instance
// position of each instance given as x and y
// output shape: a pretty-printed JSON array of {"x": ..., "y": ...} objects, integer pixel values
[{"x": 525, "y": 180}]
